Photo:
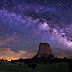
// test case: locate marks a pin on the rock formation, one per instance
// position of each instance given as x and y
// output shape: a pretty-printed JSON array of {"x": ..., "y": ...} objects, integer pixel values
[{"x": 44, "y": 51}]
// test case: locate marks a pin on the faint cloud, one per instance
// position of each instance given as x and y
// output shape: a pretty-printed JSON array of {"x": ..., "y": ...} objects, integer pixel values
[
  {"x": 8, "y": 39},
  {"x": 6, "y": 53}
]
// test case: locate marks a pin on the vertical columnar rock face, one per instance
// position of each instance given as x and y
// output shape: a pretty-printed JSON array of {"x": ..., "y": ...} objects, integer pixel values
[
  {"x": 44, "y": 51},
  {"x": 44, "y": 48}
]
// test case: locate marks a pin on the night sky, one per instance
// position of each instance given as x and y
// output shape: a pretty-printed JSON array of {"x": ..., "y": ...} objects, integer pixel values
[{"x": 24, "y": 24}]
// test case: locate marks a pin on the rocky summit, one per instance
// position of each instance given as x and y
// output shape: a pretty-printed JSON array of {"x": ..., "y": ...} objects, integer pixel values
[{"x": 44, "y": 51}]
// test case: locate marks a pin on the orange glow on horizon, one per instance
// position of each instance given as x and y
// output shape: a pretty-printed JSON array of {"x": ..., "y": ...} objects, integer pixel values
[{"x": 8, "y": 58}]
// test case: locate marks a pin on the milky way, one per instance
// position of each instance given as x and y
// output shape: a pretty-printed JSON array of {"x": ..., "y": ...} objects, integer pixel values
[{"x": 26, "y": 23}]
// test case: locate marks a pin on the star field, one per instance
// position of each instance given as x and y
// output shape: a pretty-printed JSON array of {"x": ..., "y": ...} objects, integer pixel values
[{"x": 26, "y": 23}]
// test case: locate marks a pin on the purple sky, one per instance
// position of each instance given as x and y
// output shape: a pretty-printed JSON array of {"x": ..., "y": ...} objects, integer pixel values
[{"x": 25, "y": 24}]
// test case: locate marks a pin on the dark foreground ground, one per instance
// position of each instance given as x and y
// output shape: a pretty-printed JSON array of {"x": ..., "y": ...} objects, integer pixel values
[{"x": 51, "y": 67}]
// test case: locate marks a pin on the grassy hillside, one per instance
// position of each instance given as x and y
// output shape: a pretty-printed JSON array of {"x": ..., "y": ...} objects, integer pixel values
[{"x": 54, "y": 67}]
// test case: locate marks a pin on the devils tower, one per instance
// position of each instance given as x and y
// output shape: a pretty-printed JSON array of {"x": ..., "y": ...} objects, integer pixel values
[{"x": 44, "y": 51}]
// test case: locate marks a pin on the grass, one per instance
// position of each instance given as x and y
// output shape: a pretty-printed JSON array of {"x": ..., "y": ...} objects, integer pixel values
[{"x": 54, "y": 67}]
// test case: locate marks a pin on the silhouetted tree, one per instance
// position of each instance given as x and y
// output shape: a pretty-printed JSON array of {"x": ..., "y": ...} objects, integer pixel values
[
  {"x": 32, "y": 65},
  {"x": 2, "y": 60},
  {"x": 65, "y": 58},
  {"x": 19, "y": 64},
  {"x": 12, "y": 61}
]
